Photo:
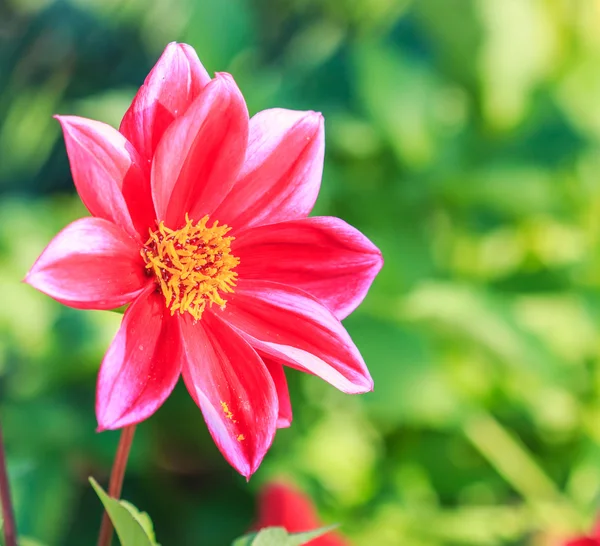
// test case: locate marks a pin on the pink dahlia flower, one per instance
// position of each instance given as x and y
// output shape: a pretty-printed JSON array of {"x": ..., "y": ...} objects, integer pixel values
[
  {"x": 199, "y": 222},
  {"x": 280, "y": 505}
]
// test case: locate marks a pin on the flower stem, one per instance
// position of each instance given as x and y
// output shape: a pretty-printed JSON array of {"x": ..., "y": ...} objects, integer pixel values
[
  {"x": 116, "y": 481},
  {"x": 8, "y": 515}
]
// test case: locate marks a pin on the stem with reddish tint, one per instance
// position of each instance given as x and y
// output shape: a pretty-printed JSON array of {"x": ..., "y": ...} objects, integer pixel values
[
  {"x": 8, "y": 514},
  {"x": 116, "y": 481}
]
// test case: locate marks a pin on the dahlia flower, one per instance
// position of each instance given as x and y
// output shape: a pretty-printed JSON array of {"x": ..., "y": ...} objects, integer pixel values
[
  {"x": 280, "y": 505},
  {"x": 199, "y": 222}
]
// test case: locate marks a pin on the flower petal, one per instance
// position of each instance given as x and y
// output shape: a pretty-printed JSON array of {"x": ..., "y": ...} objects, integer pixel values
[
  {"x": 200, "y": 154},
  {"x": 91, "y": 264},
  {"x": 108, "y": 174},
  {"x": 175, "y": 81},
  {"x": 281, "y": 505},
  {"x": 583, "y": 541},
  {"x": 292, "y": 327},
  {"x": 142, "y": 365},
  {"x": 233, "y": 388},
  {"x": 284, "y": 419},
  {"x": 281, "y": 175},
  {"x": 324, "y": 256}
]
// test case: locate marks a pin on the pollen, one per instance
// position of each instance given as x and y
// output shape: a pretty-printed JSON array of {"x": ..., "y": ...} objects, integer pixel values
[
  {"x": 226, "y": 411},
  {"x": 193, "y": 266}
]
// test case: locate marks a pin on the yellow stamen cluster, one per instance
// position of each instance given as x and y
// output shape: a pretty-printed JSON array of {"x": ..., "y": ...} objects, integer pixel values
[{"x": 192, "y": 265}]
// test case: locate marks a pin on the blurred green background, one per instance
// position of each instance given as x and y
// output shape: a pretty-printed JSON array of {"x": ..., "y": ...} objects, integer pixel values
[{"x": 463, "y": 137}]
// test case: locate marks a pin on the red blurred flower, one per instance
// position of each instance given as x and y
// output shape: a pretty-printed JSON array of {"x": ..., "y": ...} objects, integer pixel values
[
  {"x": 200, "y": 222},
  {"x": 280, "y": 505},
  {"x": 590, "y": 540}
]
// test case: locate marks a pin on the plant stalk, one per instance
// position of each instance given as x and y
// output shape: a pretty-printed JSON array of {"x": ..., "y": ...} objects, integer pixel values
[
  {"x": 8, "y": 514},
  {"x": 116, "y": 481}
]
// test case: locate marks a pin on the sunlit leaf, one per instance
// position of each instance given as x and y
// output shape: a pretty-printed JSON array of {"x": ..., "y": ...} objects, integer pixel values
[
  {"x": 298, "y": 539},
  {"x": 134, "y": 528},
  {"x": 25, "y": 541},
  {"x": 246, "y": 540},
  {"x": 278, "y": 536}
]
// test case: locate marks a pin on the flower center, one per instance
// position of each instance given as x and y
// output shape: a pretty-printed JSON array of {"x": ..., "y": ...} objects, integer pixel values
[{"x": 193, "y": 265}]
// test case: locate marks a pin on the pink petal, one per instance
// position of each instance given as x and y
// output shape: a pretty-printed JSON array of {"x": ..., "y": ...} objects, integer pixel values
[
  {"x": 108, "y": 174},
  {"x": 281, "y": 505},
  {"x": 584, "y": 541},
  {"x": 292, "y": 327},
  {"x": 324, "y": 256},
  {"x": 284, "y": 419},
  {"x": 142, "y": 365},
  {"x": 91, "y": 264},
  {"x": 200, "y": 154},
  {"x": 282, "y": 171},
  {"x": 175, "y": 81},
  {"x": 233, "y": 388}
]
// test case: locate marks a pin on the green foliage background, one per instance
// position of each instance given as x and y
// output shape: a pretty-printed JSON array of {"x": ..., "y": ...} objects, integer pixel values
[{"x": 463, "y": 137}]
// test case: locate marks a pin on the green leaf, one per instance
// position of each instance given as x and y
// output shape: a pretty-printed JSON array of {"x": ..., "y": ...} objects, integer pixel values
[
  {"x": 142, "y": 518},
  {"x": 272, "y": 536},
  {"x": 25, "y": 541},
  {"x": 134, "y": 528},
  {"x": 297, "y": 539},
  {"x": 246, "y": 540},
  {"x": 278, "y": 536}
]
